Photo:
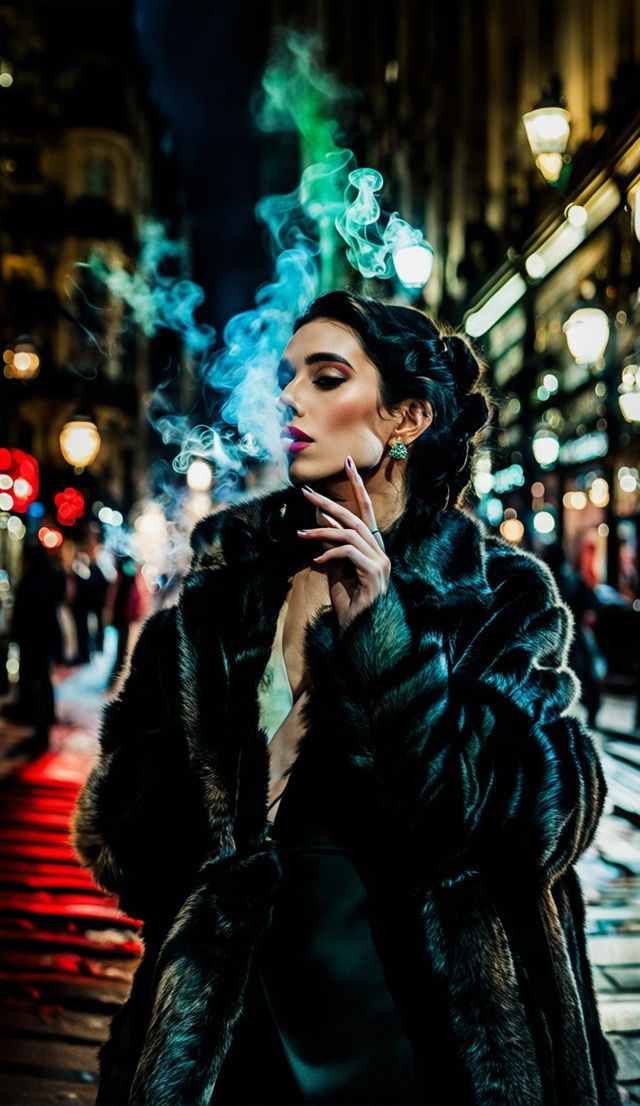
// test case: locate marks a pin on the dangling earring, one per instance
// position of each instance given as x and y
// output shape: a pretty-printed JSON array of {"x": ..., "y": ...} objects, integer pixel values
[{"x": 399, "y": 451}]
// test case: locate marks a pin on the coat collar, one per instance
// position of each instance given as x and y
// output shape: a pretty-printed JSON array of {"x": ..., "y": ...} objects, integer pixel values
[
  {"x": 228, "y": 609},
  {"x": 444, "y": 549}
]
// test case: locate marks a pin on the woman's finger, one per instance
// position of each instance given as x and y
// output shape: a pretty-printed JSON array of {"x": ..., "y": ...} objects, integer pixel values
[
  {"x": 359, "y": 559},
  {"x": 332, "y": 521},
  {"x": 336, "y": 510},
  {"x": 363, "y": 498},
  {"x": 366, "y": 544}
]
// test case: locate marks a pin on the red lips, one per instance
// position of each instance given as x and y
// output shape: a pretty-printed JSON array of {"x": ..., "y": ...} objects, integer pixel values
[{"x": 296, "y": 434}]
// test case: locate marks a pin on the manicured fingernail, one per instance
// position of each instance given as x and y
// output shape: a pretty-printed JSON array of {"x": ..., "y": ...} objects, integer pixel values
[
  {"x": 306, "y": 488},
  {"x": 302, "y": 531},
  {"x": 349, "y": 462}
]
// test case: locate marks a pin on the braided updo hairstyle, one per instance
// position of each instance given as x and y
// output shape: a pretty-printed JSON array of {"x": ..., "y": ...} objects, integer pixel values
[{"x": 417, "y": 359}]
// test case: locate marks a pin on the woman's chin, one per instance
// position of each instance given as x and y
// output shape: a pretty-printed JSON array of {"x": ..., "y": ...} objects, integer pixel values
[
  {"x": 298, "y": 469},
  {"x": 322, "y": 482},
  {"x": 303, "y": 471}
]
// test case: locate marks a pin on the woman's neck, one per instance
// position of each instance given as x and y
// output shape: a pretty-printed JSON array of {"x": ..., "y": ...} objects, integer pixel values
[{"x": 388, "y": 501}]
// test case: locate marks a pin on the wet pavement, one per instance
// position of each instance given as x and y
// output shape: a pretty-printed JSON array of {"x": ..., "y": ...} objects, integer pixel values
[
  {"x": 610, "y": 873},
  {"x": 67, "y": 954}
]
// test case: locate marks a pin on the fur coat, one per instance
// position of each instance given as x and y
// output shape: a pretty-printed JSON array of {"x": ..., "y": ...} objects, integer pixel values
[{"x": 451, "y": 691}]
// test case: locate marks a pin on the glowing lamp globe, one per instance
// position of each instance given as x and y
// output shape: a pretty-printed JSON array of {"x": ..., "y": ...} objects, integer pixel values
[
  {"x": 577, "y": 216},
  {"x": 587, "y": 333},
  {"x": 414, "y": 264},
  {"x": 80, "y": 442},
  {"x": 546, "y": 447},
  {"x": 550, "y": 165},
  {"x": 547, "y": 129}
]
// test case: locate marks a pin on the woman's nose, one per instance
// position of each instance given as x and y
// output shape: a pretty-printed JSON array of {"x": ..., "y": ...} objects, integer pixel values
[{"x": 286, "y": 403}]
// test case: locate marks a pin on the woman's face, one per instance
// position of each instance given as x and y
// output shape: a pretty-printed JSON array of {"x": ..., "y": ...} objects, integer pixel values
[{"x": 331, "y": 392}]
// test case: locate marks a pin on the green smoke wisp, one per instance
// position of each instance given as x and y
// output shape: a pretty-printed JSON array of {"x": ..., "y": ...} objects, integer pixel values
[{"x": 334, "y": 194}]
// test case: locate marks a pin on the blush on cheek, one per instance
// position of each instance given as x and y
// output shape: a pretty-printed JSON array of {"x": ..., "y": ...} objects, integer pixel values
[{"x": 352, "y": 412}]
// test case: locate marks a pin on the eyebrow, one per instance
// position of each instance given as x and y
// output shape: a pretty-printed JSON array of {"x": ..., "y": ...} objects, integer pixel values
[{"x": 314, "y": 358}]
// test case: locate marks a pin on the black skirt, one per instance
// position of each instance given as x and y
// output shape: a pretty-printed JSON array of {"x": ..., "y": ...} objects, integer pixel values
[{"x": 335, "y": 1007}]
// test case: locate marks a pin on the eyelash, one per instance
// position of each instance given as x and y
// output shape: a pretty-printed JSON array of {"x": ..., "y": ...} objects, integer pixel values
[{"x": 320, "y": 381}]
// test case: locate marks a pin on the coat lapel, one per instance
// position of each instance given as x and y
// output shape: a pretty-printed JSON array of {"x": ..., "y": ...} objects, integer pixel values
[{"x": 227, "y": 617}]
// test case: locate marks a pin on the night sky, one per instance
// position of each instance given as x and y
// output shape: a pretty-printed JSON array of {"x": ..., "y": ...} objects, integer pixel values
[{"x": 204, "y": 63}]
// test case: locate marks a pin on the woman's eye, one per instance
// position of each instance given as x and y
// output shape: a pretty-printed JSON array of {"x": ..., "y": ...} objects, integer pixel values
[{"x": 328, "y": 381}]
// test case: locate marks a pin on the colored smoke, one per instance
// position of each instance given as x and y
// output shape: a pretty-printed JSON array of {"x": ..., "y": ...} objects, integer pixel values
[{"x": 333, "y": 201}]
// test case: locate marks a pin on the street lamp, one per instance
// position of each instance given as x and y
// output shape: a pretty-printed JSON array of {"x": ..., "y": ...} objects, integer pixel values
[
  {"x": 548, "y": 127},
  {"x": 414, "y": 264},
  {"x": 80, "y": 441},
  {"x": 587, "y": 333}
]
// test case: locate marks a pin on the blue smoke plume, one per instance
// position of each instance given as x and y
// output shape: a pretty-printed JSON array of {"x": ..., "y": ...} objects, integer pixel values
[{"x": 335, "y": 202}]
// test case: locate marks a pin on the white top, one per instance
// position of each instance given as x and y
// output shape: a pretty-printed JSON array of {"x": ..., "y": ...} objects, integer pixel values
[
  {"x": 275, "y": 697},
  {"x": 280, "y": 715}
]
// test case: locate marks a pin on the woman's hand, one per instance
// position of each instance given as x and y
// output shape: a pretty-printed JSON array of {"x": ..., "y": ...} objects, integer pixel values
[{"x": 351, "y": 592}]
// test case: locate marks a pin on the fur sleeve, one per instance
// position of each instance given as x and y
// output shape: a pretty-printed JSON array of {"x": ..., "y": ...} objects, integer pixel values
[
  {"x": 474, "y": 735},
  {"x": 138, "y": 822}
]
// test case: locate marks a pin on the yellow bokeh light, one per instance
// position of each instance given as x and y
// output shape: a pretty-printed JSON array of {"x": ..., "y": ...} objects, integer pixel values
[
  {"x": 599, "y": 492},
  {"x": 512, "y": 530}
]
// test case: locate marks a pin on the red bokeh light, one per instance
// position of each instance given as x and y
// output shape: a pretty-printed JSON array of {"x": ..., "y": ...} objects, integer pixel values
[
  {"x": 49, "y": 537},
  {"x": 70, "y": 504},
  {"x": 23, "y": 470}
]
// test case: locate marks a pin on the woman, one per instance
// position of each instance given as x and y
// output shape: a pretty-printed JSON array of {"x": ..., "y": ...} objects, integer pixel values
[{"x": 359, "y": 887}]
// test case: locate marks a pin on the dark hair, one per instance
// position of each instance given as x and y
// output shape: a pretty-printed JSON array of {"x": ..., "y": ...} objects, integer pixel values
[{"x": 417, "y": 358}]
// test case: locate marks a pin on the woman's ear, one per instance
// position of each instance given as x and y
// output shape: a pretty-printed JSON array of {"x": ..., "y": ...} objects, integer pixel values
[{"x": 416, "y": 417}]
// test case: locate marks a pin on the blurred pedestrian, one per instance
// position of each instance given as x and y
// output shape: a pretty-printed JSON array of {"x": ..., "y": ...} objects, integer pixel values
[
  {"x": 126, "y": 608},
  {"x": 584, "y": 654},
  {"x": 36, "y": 630},
  {"x": 94, "y": 571}
]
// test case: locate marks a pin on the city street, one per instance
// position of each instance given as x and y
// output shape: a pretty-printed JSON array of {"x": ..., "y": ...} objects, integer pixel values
[
  {"x": 366, "y": 276},
  {"x": 68, "y": 954}
]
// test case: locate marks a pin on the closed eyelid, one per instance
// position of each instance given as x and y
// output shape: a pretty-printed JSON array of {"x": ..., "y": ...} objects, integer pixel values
[
  {"x": 284, "y": 383},
  {"x": 311, "y": 360}
]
